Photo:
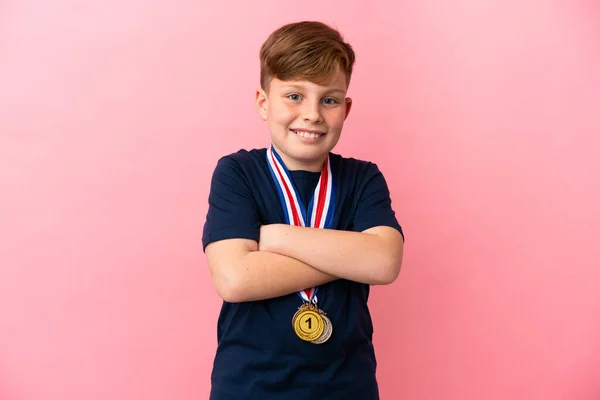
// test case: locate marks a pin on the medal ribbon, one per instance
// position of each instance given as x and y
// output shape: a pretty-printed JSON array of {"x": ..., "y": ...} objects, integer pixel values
[{"x": 318, "y": 214}]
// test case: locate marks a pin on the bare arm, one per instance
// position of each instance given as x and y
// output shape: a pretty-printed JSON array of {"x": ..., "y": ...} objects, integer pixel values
[
  {"x": 242, "y": 273},
  {"x": 372, "y": 257}
]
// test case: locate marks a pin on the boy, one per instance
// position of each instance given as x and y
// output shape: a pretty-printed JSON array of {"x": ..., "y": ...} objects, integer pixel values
[{"x": 295, "y": 235}]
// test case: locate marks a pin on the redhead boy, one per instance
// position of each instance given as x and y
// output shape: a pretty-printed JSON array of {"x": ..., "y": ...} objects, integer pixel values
[{"x": 295, "y": 236}]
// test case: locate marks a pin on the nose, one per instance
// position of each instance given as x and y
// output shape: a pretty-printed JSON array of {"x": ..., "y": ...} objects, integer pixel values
[{"x": 312, "y": 112}]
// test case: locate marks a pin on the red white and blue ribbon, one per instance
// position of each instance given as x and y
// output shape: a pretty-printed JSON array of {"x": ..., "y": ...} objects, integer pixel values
[{"x": 320, "y": 210}]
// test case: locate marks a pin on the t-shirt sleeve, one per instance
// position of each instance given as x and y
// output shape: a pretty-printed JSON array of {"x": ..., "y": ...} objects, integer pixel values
[
  {"x": 374, "y": 204},
  {"x": 232, "y": 210}
]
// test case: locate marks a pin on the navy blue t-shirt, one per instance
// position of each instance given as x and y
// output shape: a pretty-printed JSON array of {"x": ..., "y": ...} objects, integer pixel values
[{"x": 258, "y": 354}]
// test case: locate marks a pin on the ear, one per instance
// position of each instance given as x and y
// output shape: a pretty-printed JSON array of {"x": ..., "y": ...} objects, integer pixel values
[
  {"x": 261, "y": 103},
  {"x": 348, "y": 106}
]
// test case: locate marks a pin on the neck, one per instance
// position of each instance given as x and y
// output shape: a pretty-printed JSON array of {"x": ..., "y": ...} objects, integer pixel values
[{"x": 300, "y": 165}]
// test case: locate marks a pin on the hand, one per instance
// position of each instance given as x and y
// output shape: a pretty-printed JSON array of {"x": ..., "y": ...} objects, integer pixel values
[{"x": 268, "y": 238}]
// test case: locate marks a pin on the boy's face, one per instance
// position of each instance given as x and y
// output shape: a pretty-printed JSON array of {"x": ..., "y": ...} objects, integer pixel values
[{"x": 305, "y": 119}]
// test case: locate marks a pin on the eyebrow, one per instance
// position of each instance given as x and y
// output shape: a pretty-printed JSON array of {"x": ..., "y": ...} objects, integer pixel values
[{"x": 336, "y": 91}]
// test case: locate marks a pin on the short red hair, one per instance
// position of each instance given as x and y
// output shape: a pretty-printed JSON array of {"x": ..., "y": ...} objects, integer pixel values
[{"x": 307, "y": 50}]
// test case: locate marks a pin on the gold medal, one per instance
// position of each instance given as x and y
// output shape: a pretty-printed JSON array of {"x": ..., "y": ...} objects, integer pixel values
[
  {"x": 308, "y": 323},
  {"x": 327, "y": 331}
]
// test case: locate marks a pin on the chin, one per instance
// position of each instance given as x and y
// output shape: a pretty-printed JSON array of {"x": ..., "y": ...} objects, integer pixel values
[{"x": 310, "y": 157}]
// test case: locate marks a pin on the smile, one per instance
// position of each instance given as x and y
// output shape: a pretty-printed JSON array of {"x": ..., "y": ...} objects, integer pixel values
[{"x": 307, "y": 134}]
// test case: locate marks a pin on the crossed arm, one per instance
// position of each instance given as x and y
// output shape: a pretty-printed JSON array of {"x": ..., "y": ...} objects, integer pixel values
[{"x": 289, "y": 258}]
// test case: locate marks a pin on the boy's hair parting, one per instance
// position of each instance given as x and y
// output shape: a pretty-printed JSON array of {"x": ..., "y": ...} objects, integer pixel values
[{"x": 307, "y": 50}]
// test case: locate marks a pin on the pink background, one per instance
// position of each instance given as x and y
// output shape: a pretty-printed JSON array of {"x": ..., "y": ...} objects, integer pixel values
[{"x": 484, "y": 117}]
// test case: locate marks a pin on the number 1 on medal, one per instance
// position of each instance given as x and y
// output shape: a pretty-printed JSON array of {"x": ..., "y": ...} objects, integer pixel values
[{"x": 309, "y": 322}]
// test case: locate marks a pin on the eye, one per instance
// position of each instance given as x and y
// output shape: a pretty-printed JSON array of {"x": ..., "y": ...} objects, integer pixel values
[
  {"x": 294, "y": 97},
  {"x": 330, "y": 101}
]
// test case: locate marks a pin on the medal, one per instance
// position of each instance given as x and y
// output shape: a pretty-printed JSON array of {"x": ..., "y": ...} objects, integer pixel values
[
  {"x": 327, "y": 330},
  {"x": 310, "y": 323}
]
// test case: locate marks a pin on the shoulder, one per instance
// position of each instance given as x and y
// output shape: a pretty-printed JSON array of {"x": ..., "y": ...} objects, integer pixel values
[
  {"x": 241, "y": 162},
  {"x": 362, "y": 172},
  {"x": 353, "y": 163},
  {"x": 243, "y": 158}
]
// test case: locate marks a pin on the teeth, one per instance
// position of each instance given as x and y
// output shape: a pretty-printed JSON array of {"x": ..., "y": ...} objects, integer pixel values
[{"x": 307, "y": 135}]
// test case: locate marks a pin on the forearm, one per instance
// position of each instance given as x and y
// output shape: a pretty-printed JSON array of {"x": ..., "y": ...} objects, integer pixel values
[
  {"x": 357, "y": 256},
  {"x": 262, "y": 275}
]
